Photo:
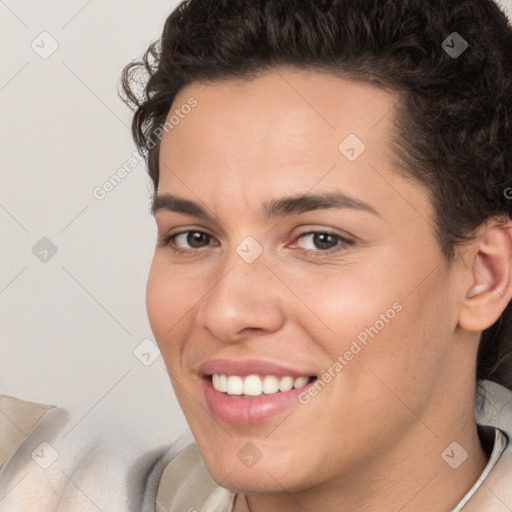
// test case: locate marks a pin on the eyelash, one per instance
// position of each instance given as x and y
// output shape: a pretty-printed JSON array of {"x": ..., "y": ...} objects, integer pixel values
[{"x": 169, "y": 241}]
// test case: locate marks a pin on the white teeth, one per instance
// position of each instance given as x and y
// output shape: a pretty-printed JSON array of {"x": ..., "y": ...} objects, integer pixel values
[
  {"x": 254, "y": 385},
  {"x": 223, "y": 383},
  {"x": 270, "y": 385},
  {"x": 300, "y": 381},
  {"x": 235, "y": 385},
  {"x": 285, "y": 383}
]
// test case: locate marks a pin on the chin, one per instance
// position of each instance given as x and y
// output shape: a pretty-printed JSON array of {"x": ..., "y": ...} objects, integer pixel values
[
  {"x": 250, "y": 481},
  {"x": 264, "y": 476}
]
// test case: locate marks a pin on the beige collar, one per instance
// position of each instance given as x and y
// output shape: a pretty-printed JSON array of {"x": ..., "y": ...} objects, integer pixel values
[{"x": 17, "y": 418}]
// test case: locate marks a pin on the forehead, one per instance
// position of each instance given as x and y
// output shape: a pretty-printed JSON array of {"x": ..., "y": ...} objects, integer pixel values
[
  {"x": 284, "y": 132},
  {"x": 284, "y": 103},
  {"x": 286, "y": 114}
]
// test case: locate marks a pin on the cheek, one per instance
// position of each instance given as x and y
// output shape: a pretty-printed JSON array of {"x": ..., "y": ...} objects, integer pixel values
[
  {"x": 410, "y": 355},
  {"x": 382, "y": 325},
  {"x": 168, "y": 300},
  {"x": 156, "y": 292},
  {"x": 343, "y": 304}
]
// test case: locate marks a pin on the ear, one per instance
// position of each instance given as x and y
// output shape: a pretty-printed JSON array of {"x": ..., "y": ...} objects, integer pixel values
[{"x": 490, "y": 289}]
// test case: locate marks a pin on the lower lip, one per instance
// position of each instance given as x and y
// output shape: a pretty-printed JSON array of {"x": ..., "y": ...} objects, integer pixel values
[{"x": 249, "y": 410}]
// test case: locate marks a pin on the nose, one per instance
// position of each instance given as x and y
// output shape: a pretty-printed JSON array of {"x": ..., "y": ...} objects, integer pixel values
[{"x": 245, "y": 298}]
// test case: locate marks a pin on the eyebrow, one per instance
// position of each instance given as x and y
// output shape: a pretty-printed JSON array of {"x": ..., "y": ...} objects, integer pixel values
[{"x": 293, "y": 205}]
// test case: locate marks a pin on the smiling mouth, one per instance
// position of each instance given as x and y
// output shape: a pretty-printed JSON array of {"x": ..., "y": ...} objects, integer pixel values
[{"x": 256, "y": 385}]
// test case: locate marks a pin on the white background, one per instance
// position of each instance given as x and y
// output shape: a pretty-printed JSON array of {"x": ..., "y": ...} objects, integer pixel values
[{"x": 69, "y": 326}]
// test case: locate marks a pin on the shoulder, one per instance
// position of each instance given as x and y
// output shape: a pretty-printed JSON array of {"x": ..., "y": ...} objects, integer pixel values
[
  {"x": 494, "y": 409},
  {"x": 44, "y": 468},
  {"x": 28, "y": 452},
  {"x": 18, "y": 416},
  {"x": 494, "y": 405},
  {"x": 180, "y": 481}
]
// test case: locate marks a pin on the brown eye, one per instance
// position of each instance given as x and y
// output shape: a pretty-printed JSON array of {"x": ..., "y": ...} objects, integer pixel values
[
  {"x": 186, "y": 240},
  {"x": 197, "y": 239},
  {"x": 321, "y": 241},
  {"x": 324, "y": 241}
]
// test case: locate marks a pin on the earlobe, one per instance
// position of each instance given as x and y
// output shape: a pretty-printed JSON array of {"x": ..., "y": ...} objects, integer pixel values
[{"x": 491, "y": 286}]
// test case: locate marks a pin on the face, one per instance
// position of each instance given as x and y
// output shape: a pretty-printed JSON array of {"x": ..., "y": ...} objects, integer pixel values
[{"x": 292, "y": 253}]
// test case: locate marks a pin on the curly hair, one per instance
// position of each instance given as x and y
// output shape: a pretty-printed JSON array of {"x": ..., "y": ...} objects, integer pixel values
[{"x": 453, "y": 127}]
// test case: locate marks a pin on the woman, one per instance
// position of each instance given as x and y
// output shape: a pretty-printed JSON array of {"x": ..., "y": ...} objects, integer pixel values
[{"x": 331, "y": 285}]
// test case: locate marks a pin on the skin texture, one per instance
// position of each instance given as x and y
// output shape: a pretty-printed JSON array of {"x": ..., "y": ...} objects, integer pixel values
[{"x": 372, "y": 439}]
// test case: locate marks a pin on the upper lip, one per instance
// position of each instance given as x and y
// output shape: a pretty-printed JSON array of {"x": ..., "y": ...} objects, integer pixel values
[{"x": 244, "y": 367}]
